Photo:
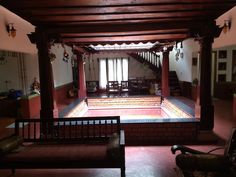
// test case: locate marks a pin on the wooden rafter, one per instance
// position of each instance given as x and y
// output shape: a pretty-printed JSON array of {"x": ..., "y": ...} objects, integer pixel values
[{"x": 119, "y": 21}]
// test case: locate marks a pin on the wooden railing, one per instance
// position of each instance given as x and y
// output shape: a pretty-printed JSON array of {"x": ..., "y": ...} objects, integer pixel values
[{"x": 67, "y": 129}]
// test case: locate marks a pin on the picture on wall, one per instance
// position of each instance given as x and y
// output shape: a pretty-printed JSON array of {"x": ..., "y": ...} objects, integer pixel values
[{"x": 222, "y": 54}]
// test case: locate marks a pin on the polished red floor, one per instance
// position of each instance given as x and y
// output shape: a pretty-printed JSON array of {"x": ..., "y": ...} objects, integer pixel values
[
  {"x": 127, "y": 113},
  {"x": 144, "y": 161}
]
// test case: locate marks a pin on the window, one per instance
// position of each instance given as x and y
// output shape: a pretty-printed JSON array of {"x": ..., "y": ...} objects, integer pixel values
[{"x": 112, "y": 69}]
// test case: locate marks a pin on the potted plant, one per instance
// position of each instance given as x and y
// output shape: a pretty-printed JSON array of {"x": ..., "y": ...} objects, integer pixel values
[
  {"x": 195, "y": 82},
  {"x": 194, "y": 88}
]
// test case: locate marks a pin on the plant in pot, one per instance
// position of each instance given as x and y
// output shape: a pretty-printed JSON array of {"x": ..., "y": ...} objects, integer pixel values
[
  {"x": 194, "y": 88},
  {"x": 195, "y": 82}
]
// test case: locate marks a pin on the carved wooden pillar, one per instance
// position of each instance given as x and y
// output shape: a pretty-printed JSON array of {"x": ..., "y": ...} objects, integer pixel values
[
  {"x": 81, "y": 78},
  {"x": 48, "y": 105},
  {"x": 165, "y": 74},
  {"x": 204, "y": 107}
]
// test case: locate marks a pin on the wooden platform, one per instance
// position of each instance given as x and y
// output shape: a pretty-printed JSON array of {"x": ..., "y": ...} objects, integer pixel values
[
  {"x": 144, "y": 119},
  {"x": 125, "y": 102}
]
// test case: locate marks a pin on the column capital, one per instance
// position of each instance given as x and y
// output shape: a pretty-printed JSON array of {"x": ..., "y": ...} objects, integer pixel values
[
  {"x": 165, "y": 54},
  {"x": 208, "y": 32},
  {"x": 41, "y": 35}
]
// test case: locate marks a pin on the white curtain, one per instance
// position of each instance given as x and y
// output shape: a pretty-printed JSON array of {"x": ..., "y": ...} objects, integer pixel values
[
  {"x": 117, "y": 70},
  {"x": 102, "y": 74},
  {"x": 125, "y": 69}
]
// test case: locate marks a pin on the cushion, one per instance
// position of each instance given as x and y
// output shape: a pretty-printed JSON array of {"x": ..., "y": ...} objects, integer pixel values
[
  {"x": 8, "y": 144},
  {"x": 113, "y": 146},
  {"x": 203, "y": 162}
]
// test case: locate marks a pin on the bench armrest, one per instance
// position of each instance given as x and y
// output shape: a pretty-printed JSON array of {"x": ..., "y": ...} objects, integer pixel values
[{"x": 184, "y": 150}]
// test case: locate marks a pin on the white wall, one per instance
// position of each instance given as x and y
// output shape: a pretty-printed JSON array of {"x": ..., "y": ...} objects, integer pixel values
[
  {"x": 229, "y": 38},
  {"x": 136, "y": 69},
  {"x": 20, "y": 43},
  {"x": 21, "y": 68},
  {"x": 62, "y": 71},
  {"x": 32, "y": 69},
  {"x": 228, "y": 60},
  {"x": 183, "y": 66},
  {"x": 18, "y": 72},
  {"x": 226, "y": 41},
  {"x": 9, "y": 80}
]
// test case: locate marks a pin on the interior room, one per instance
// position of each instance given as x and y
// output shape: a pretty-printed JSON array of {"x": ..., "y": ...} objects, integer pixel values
[{"x": 77, "y": 77}]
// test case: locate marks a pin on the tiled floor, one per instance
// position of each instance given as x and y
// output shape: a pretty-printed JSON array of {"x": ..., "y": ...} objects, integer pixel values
[{"x": 141, "y": 161}]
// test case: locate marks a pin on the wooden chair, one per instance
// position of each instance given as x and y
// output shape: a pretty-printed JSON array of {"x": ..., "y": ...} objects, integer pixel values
[
  {"x": 194, "y": 163},
  {"x": 124, "y": 86},
  {"x": 113, "y": 87}
]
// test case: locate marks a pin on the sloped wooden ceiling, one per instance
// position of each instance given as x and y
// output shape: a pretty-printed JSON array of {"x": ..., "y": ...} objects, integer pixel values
[{"x": 84, "y": 22}]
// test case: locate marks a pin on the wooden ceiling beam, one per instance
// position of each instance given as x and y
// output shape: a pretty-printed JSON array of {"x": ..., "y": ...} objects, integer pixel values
[
  {"x": 111, "y": 28},
  {"x": 199, "y": 20},
  {"x": 144, "y": 38},
  {"x": 121, "y": 10},
  {"x": 115, "y": 17},
  {"x": 102, "y": 3},
  {"x": 149, "y": 32}
]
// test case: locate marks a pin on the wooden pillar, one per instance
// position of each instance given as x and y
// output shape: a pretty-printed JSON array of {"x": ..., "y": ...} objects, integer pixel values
[
  {"x": 165, "y": 74},
  {"x": 234, "y": 107},
  {"x": 48, "y": 105},
  {"x": 204, "y": 108},
  {"x": 81, "y": 78}
]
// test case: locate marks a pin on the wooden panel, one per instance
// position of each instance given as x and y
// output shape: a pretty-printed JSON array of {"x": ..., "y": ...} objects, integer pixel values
[
  {"x": 115, "y": 17},
  {"x": 101, "y": 3},
  {"x": 132, "y": 33},
  {"x": 123, "y": 10},
  {"x": 120, "y": 17},
  {"x": 144, "y": 38}
]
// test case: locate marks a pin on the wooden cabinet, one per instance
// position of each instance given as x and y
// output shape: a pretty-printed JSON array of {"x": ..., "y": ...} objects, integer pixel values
[{"x": 9, "y": 107}]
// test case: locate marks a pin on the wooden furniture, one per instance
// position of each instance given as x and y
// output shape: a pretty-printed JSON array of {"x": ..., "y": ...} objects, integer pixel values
[
  {"x": 138, "y": 86},
  {"x": 196, "y": 163},
  {"x": 30, "y": 106},
  {"x": 88, "y": 142},
  {"x": 113, "y": 87},
  {"x": 124, "y": 86},
  {"x": 92, "y": 86},
  {"x": 9, "y": 107}
]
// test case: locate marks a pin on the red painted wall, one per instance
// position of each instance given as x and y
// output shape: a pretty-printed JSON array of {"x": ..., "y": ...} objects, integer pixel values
[
  {"x": 61, "y": 94},
  {"x": 30, "y": 106}
]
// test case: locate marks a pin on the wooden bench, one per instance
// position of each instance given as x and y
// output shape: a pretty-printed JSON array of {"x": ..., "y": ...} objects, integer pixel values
[{"x": 88, "y": 142}]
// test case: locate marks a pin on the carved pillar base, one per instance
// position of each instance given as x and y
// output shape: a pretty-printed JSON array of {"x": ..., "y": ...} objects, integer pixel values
[
  {"x": 234, "y": 107},
  {"x": 206, "y": 113}
]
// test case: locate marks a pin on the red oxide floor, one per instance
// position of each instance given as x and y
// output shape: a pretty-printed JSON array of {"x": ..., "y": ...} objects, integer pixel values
[
  {"x": 143, "y": 161},
  {"x": 126, "y": 113}
]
